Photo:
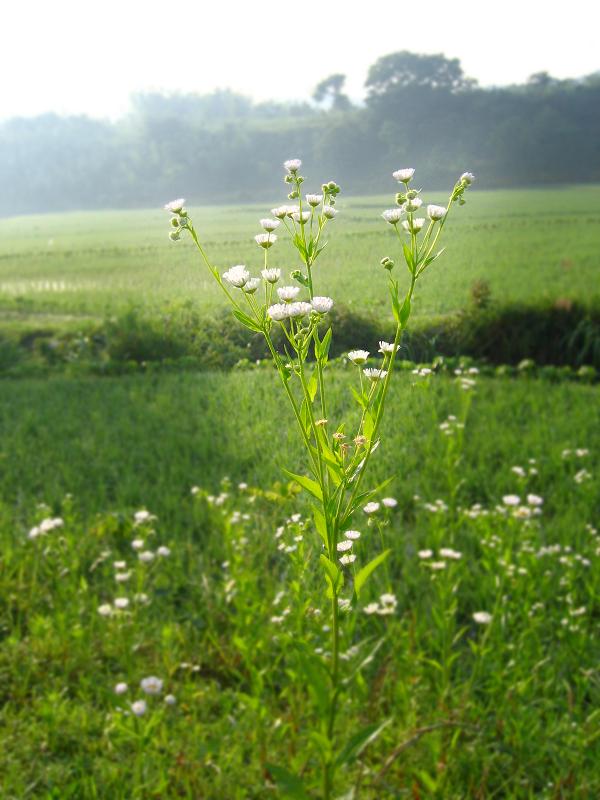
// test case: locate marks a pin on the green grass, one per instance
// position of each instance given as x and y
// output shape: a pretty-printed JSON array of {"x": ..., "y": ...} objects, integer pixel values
[
  {"x": 528, "y": 244},
  {"x": 516, "y": 702}
]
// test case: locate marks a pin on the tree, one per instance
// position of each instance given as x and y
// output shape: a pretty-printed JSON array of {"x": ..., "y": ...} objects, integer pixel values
[
  {"x": 330, "y": 90},
  {"x": 405, "y": 70}
]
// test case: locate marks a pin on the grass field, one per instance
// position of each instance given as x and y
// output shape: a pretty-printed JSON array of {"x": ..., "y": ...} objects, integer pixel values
[
  {"x": 528, "y": 244},
  {"x": 484, "y": 666}
]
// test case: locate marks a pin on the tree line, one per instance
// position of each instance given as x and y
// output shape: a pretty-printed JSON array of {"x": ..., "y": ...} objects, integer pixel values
[{"x": 419, "y": 110}]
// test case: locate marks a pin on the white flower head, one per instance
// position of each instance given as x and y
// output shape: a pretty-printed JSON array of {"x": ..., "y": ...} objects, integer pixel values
[
  {"x": 329, "y": 212},
  {"x": 288, "y": 293},
  {"x": 237, "y": 276},
  {"x": 280, "y": 212},
  {"x": 390, "y": 502},
  {"x": 146, "y": 556},
  {"x": 535, "y": 500},
  {"x": 170, "y": 699},
  {"x": 371, "y": 508},
  {"x": 299, "y": 309},
  {"x": 414, "y": 204},
  {"x": 301, "y": 216},
  {"x": 137, "y": 544},
  {"x": 292, "y": 165},
  {"x": 121, "y": 602},
  {"x": 139, "y": 708},
  {"x": 265, "y": 240},
  {"x": 414, "y": 225},
  {"x": 269, "y": 225},
  {"x": 436, "y": 213},
  {"x": 375, "y": 374},
  {"x": 163, "y": 551},
  {"x": 121, "y": 688},
  {"x": 271, "y": 275},
  {"x": 467, "y": 178},
  {"x": 348, "y": 558},
  {"x": 448, "y": 552},
  {"x": 251, "y": 286},
  {"x": 393, "y": 215},
  {"x": 143, "y": 516},
  {"x": 511, "y": 499},
  {"x": 314, "y": 199},
  {"x": 352, "y": 535},
  {"x": 403, "y": 175},
  {"x": 358, "y": 357},
  {"x": 105, "y": 610},
  {"x": 387, "y": 347},
  {"x": 425, "y": 554},
  {"x": 343, "y": 546},
  {"x": 278, "y": 312},
  {"x": 151, "y": 685},
  {"x": 482, "y": 617},
  {"x": 322, "y": 305},
  {"x": 175, "y": 206}
]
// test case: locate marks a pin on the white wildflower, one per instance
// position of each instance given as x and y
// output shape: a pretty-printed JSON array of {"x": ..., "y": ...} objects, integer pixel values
[
  {"x": 371, "y": 508},
  {"x": 280, "y": 212},
  {"x": 122, "y": 577},
  {"x": 120, "y": 564},
  {"x": 299, "y": 309},
  {"x": 375, "y": 374},
  {"x": 143, "y": 516},
  {"x": 314, "y": 199},
  {"x": 301, "y": 216},
  {"x": 292, "y": 164},
  {"x": 358, "y": 357},
  {"x": 414, "y": 225},
  {"x": 139, "y": 708},
  {"x": 518, "y": 471},
  {"x": 425, "y": 554},
  {"x": 170, "y": 699},
  {"x": 393, "y": 215},
  {"x": 146, "y": 556},
  {"x": 437, "y": 565},
  {"x": 403, "y": 175},
  {"x": 352, "y": 534},
  {"x": 348, "y": 559},
  {"x": 137, "y": 544},
  {"x": 390, "y": 502},
  {"x": 329, "y": 212},
  {"x": 251, "y": 286},
  {"x": 163, "y": 551},
  {"x": 265, "y": 240},
  {"x": 414, "y": 204},
  {"x": 482, "y": 617},
  {"x": 175, "y": 206},
  {"x": 322, "y": 304},
  {"x": 511, "y": 499},
  {"x": 342, "y": 547},
  {"x": 151, "y": 685},
  {"x": 269, "y": 225},
  {"x": 448, "y": 552},
  {"x": 237, "y": 276},
  {"x": 288, "y": 293},
  {"x": 271, "y": 275},
  {"x": 534, "y": 500},
  {"x": 467, "y": 178},
  {"x": 121, "y": 688},
  {"x": 436, "y": 213},
  {"x": 372, "y": 608},
  {"x": 105, "y": 610},
  {"x": 278, "y": 312},
  {"x": 387, "y": 347},
  {"x": 121, "y": 602}
]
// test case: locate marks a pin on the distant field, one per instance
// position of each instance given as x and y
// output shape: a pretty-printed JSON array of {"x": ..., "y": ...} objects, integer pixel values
[{"x": 528, "y": 244}]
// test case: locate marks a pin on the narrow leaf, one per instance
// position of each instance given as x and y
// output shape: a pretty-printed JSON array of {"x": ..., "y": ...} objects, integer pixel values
[
  {"x": 290, "y": 785},
  {"x": 364, "y": 574},
  {"x": 359, "y": 742},
  {"x": 307, "y": 483}
]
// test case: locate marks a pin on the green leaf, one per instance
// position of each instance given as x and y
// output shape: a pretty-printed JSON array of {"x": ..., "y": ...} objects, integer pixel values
[
  {"x": 316, "y": 675},
  {"x": 364, "y": 574},
  {"x": 359, "y": 742},
  {"x": 408, "y": 257},
  {"x": 395, "y": 304},
  {"x": 306, "y": 483},
  {"x": 404, "y": 312},
  {"x": 360, "y": 398},
  {"x": 368, "y": 425},
  {"x": 246, "y": 320},
  {"x": 332, "y": 571},
  {"x": 288, "y": 784},
  {"x": 325, "y": 345},
  {"x": 320, "y": 525},
  {"x": 312, "y": 387}
]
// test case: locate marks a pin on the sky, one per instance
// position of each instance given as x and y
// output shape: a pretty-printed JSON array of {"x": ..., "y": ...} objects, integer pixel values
[{"x": 89, "y": 56}]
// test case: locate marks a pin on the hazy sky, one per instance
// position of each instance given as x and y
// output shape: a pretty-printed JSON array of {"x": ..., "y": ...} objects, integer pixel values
[{"x": 87, "y": 56}]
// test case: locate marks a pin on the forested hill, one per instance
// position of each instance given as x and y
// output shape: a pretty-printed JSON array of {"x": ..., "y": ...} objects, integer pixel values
[{"x": 419, "y": 111}]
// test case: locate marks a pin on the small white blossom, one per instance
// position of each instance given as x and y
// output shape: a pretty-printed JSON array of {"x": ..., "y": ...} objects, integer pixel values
[
  {"x": 265, "y": 240},
  {"x": 163, "y": 551},
  {"x": 403, "y": 175},
  {"x": 424, "y": 554},
  {"x": 343, "y": 546},
  {"x": 122, "y": 577},
  {"x": 375, "y": 374},
  {"x": 511, "y": 499},
  {"x": 467, "y": 178},
  {"x": 329, "y": 212},
  {"x": 387, "y": 347},
  {"x": 137, "y": 544},
  {"x": 175, "y": 206},
  {"x": 151, "y": 685},
  {"x": 358, "y": 357},
  {"x": 322, "y": 304},
  {"x": 121, "y": 688},
  {"x": 146, "y": 556},
  {"x": 314, "y": 199},
  {"x": 390, "y": 502},
  {"x": 372, "y": 608},
  {"x": 349, "y": 558},
  {"x": 448, "y": 552},
  {"x": 278, "y": 312},
  {"x": 393, "y": 215},
  {"x": 436, "y": 213},
  {"x": 352, "y": 534},
  {"x": 482, "y": 617},
  {"x": 414, "y": 204},
  {"x": 292, "y": 164},
  {"x": 299, "y": 309},
  {"x": 280, "y": 212},
  {"x": 518, "y": 471},
  {"x": 413, "y": 226},
  {"x": 139, "y": 708},
  {"x": 371, "y": 508},
  {"x": 271, "y": 275},
  {"x": 252, "y": 285},
  {"x": 170, "y": 699},
  {"x": 237, "y": 276},
  {"x": 105, "y": 610},
  {"x": 288, "y": 293},
  {"x": 301, "y": 216},
  {"x": 120, "y": 564},
  {"x": 535, "y": 500},
  {"x": 121, "y": 602},
  {"x": 143, "y": 516},
  {"x": 269, "y": 225}
]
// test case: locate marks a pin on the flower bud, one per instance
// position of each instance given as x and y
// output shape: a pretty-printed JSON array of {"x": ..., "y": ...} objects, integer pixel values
[
  {"x": 467, "y": 178},
  {"x": 174, "y": 236},
  {"x": 400, "y": 199},
  {"x": 175, "y": 222},
  {"x": 297, "y": 275},
  {"x": 387, "y": 263},
  {"x": 411, "y": 194},
  {"x": 288, "y": 179}
]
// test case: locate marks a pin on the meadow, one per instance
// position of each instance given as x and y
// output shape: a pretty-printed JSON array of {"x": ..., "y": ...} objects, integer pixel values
[{"x": 161, "y": 629}]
